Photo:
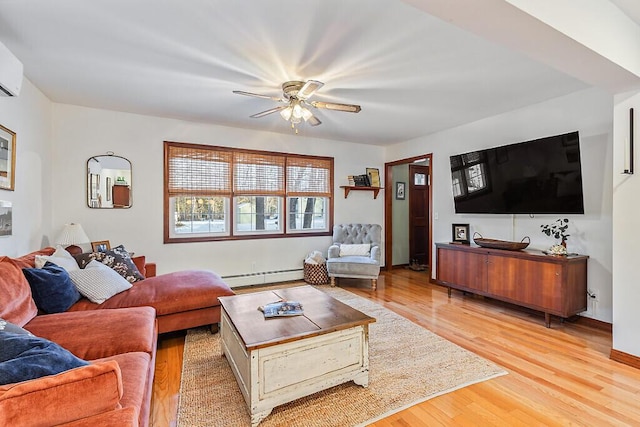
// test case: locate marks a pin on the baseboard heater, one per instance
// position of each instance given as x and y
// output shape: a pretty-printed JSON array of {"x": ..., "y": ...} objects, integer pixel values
[{"x": 263, "y": 277}]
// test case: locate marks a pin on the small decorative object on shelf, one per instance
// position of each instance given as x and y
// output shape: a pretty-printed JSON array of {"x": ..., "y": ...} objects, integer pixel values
[
  {"x": 374, "y": 177},
  {"x": 362, "y": 180},
  {"x": 558, "y": 230},
  {"x": 500, "y": 244},
  {"x": 557, "y": 250}
]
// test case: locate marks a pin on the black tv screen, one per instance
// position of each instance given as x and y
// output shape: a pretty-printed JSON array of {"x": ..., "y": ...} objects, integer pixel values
[{"x": 543, "y": 176}]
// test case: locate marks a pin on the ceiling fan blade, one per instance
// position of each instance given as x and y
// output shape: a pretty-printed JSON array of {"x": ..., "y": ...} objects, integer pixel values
[
  {"x": 314, "y": 121},
  {"x": 267, "y": 112},
  {"x": 349, "y": 108},
  {"x": 274, "y": 98},
  {"x": 308, "y": 89}
]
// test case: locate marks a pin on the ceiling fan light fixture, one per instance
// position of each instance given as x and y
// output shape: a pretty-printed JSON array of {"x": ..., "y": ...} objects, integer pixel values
[
  {"x": 306, "y": 114},
  {"x": 286, "y": 113},
  {"x": 297, "y": 110}
]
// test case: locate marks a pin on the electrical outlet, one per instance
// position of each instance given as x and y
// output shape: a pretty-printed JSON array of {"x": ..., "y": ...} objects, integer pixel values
[{"x": 591, "y": 294}]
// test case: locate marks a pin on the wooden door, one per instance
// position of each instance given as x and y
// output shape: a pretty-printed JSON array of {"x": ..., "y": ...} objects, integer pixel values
[{"x": 419, "y": 213}]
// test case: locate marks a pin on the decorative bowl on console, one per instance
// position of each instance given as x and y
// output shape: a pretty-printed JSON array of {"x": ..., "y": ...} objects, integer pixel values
[{"x": 500, "y": 244}]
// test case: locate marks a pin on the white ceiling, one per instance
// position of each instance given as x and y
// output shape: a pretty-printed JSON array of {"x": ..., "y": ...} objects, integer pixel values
[{"x": 412, "y": 73}]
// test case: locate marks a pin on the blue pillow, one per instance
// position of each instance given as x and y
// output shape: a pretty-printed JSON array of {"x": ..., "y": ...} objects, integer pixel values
[
  {"x": 26, "y": 357},
  {"x": 51, "y": 288}
]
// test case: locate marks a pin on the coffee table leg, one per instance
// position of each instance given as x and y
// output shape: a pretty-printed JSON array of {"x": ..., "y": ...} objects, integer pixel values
[
  {"x": 362, "y": 379},
  {"x": 259, "y": 416}
]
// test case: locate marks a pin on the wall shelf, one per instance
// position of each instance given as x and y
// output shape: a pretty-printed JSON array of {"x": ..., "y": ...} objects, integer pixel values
[{"x": 348, "y": 188}]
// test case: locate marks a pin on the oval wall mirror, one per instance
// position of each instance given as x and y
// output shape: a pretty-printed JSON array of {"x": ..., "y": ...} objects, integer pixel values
[{"x": 109, "y": 182}]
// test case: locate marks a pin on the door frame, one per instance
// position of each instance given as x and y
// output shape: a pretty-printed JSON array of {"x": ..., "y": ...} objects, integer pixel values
[{"x": 388, "y": 200}]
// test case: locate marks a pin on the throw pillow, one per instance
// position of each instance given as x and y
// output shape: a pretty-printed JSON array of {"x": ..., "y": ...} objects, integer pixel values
[
  {"x": 117, "y": 258},
  {"x": 26, "y": 357},
  {"x": 10, "y": 327},
  {"x": 51, "y": 288},
  {"x": 60, "y": 257},
  {"x": 355, "y": 250},
  {"x": 98, "y": 282}
]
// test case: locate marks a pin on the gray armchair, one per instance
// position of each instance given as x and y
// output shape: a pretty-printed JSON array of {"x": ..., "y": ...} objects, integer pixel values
[{"x": 355, "y": 252}]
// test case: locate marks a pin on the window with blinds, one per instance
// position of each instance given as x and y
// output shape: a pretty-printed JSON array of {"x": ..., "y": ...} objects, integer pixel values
[{"x": 217, "y": 193}]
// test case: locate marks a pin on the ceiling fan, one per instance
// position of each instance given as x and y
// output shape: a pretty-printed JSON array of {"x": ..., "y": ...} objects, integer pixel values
[{"x": 295, "y": 97}]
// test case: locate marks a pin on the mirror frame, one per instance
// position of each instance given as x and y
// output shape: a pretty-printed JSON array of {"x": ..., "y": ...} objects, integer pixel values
[{"x": 100, "y": 187}]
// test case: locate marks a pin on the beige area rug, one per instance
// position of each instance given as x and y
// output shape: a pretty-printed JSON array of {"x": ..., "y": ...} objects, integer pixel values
[{"x": 407, "y": 365}]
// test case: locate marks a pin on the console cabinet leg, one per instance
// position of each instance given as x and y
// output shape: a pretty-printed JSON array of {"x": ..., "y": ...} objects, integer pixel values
[{"x": 547, "y": 320}]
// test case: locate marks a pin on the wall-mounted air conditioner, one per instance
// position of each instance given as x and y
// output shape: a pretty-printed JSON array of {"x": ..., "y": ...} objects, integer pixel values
[{"x": 10, "y": 73}]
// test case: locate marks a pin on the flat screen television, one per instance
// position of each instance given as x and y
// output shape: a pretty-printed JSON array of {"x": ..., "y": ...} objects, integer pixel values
[{"x": 542, "y": 176}]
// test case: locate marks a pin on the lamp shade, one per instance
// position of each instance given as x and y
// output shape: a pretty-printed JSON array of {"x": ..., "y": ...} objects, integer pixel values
[{"x": 72, "y": 234}]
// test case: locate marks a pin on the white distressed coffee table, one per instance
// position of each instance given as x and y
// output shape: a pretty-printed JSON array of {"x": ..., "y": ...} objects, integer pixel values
[{"x": 281, "y": 359}]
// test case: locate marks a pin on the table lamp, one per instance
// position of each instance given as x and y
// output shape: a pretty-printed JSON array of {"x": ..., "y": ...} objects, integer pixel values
[{"x": 72, "y": 235}]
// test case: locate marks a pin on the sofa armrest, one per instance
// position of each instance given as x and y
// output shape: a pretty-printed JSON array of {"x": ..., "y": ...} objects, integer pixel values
[
  {"x": 147, "y": 269},
  {"x": 62, "y": 398},
  {"x": 150, "y": 269},
  {"x": 375, "y": 253},
  {"x": 334, "y": 251}
]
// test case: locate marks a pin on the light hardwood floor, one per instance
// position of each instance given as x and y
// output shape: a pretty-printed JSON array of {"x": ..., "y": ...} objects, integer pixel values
[{"x": 557, "y": 377}]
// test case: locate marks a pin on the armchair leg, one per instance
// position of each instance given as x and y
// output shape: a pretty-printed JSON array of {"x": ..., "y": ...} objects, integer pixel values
[
  {"x": 374, "y": 284},
  {"x": 333, "y": 281}
]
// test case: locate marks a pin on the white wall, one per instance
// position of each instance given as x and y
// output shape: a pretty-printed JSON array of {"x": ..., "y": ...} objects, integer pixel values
[
  {"x": 29, "y": 116},
  {"x": 589, "y": 112},
  {"x": 626, "y": 233},
  {"x": 80, "y": 133}
]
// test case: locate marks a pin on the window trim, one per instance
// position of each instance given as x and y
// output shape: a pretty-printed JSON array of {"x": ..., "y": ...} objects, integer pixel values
[{"x": 233, "y": 235}]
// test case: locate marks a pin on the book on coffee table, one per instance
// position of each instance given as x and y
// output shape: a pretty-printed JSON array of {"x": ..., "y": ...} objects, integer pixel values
[{"x": 281, "y": 309}]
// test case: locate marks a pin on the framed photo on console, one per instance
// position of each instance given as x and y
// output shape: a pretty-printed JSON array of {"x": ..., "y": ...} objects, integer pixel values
[
  {"x": 100, "y": 246},
  {"x": 460, "y": 233}
]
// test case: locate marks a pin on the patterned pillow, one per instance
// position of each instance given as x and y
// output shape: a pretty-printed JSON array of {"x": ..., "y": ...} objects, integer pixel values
[
  {"x": 98, "y": 282},
  {"x": 117, "y": 258}
]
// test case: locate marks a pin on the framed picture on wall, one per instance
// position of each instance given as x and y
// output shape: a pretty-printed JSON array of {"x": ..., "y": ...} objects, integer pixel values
[
  {"x": 7, "y": 159},
  {"x": 460, "y": 233},
  {"x": 400, "y": 193}
]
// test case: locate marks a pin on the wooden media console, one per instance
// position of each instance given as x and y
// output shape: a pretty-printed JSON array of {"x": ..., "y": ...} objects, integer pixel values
[{"x": 554, "y": 285}]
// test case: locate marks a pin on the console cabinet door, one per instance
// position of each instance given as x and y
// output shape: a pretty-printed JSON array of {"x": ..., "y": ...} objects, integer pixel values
[
  {"x": 464, "y": 269},
  {"x": 533, "y": 283}
]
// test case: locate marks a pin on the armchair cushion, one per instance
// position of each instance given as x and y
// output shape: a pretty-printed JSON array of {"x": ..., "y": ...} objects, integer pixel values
[{"x": 362, "y": 249}]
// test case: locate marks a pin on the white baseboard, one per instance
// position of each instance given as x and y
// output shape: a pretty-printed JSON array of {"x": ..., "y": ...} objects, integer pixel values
[{"x": 263, "y": 278}]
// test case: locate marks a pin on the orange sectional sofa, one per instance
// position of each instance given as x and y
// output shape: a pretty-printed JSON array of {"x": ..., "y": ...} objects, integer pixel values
[{"x": 117, "y": 337}]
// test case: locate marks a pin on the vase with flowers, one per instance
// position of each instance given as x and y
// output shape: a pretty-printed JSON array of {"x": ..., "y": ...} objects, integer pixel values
[{"x": 558, "y": 230}]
